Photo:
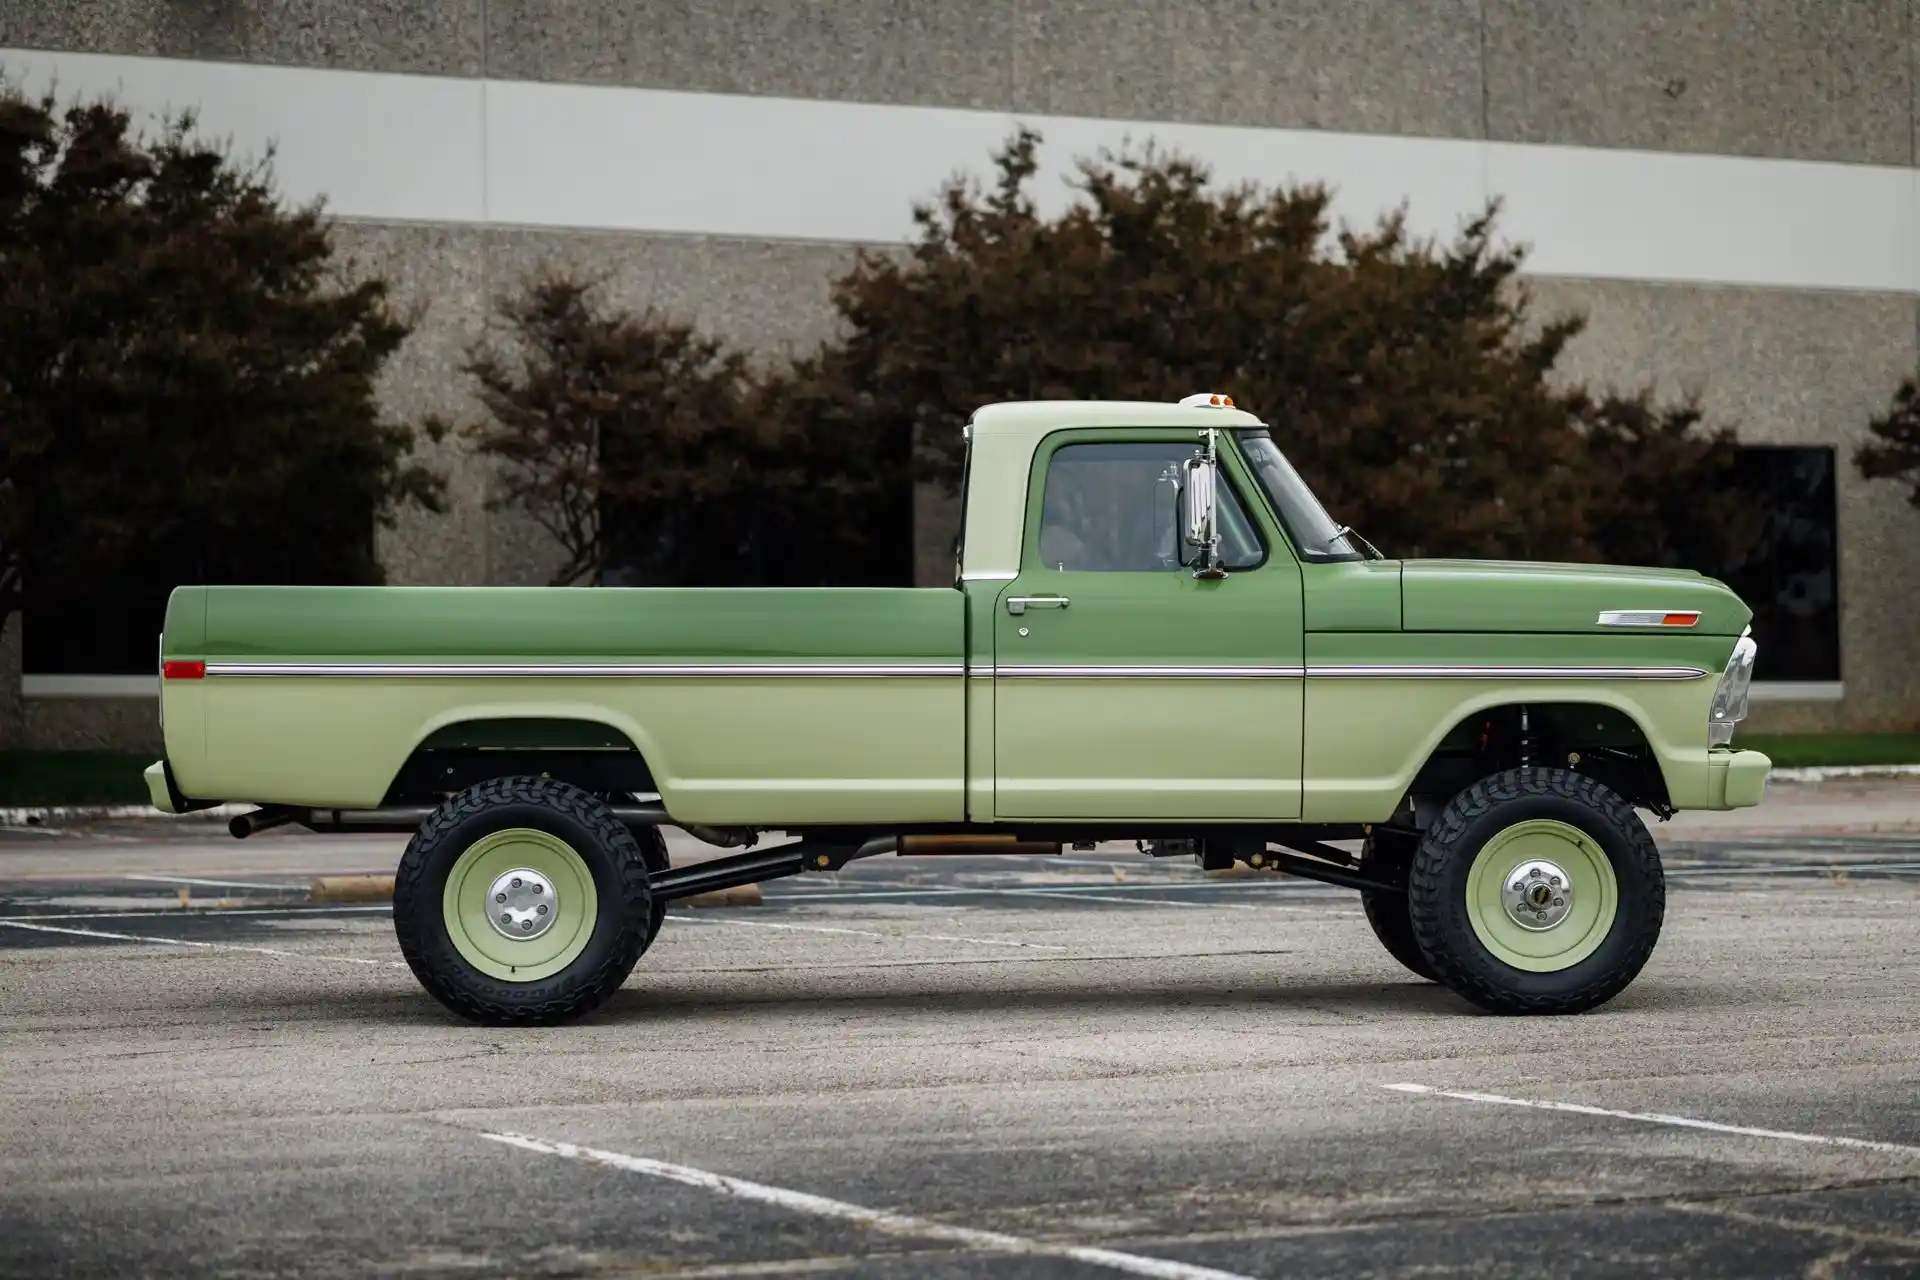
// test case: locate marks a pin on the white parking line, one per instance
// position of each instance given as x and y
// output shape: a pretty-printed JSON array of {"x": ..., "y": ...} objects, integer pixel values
[
  {"x": 203, "y": 946},
  {"x": 881, "y": 1220},
  {"x": 196, "y": 913},
  {"x": 1647, "y": 1117},
  {"x": 1107, "y": 897},
  {"x": 1175, "y": 902},
  {"x": 868, "y": 933},
  {"x": 1799, "y": 868},
  {"x": 1287, "y": 888},
  {"x": 283, "y": 886}
]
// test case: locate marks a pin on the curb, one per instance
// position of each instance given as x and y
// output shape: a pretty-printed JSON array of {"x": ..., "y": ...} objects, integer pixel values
[
  {"x": 33, "y": 816},
  {"x": 1823, "y": 772},
  {"x": 746, "y": 895},
  {"x": 30, "y": 816},
  {"x": 371, "y": 888},
  {"x": 351, "y": 889}
]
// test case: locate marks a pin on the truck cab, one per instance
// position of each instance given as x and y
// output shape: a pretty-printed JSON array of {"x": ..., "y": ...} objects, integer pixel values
[{"x": 1298, "y": 675}]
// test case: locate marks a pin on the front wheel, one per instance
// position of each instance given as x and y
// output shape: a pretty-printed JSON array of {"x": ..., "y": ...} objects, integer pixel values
[
  {"x": 523, "y": 901},
  {"x": 1537, "y": 891}
]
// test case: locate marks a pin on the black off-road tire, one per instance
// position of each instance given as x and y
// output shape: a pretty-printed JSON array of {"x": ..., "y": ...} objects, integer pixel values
[
  {"x": 1388, "y": 856},
  {"x": 653, "y": 847},
  {"x": 1393, "y": 925},
  {"x": 1436, "y": 892},
  {"x": 624, "y": 926}
]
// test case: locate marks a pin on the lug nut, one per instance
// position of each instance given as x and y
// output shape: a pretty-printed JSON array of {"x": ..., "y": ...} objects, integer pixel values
[
  {"x": 499, "y": 897},
  {"x": 543, "y": 908},
  {"x": 516, "y": 882}
]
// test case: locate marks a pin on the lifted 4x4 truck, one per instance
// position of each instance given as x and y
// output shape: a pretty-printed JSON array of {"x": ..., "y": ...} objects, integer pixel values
[{"x": 1156, "y": 634}]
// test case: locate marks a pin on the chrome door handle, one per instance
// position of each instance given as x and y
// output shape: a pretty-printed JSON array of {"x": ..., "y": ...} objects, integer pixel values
[{"x": 1017, "y": 605}]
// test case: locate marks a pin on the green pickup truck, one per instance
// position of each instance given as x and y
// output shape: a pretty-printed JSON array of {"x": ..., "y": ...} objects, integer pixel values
[{"x": 1155, "y": 634}]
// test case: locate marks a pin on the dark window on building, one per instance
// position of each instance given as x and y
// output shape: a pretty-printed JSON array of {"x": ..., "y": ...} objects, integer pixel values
[
  {"x": 1790, "y": 577},
  {"x": 104, "y": 619},
  {"x": 111, "y": 631}
]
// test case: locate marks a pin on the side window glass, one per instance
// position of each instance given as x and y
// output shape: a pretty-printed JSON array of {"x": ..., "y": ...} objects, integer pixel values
[{"x": 1115, "y": 508}]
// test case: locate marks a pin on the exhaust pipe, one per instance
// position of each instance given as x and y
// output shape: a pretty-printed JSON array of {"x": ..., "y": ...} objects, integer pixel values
[{"x": 259, "y": 820}]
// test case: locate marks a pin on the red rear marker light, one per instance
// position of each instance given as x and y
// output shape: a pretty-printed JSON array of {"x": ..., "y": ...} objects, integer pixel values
[
  {"x": 1680, "y": 619},
  {"x": 183, "y": 669}
]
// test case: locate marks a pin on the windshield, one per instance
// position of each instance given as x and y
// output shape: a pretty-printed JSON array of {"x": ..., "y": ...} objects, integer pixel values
[{"x": 1317, "y": 535}]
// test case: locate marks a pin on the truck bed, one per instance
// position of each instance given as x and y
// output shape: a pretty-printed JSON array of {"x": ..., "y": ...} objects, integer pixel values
[{"x": 749, "y": 705}]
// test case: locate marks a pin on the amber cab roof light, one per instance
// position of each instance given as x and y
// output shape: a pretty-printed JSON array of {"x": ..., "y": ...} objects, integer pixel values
[{"x": 1207, "y": 400}]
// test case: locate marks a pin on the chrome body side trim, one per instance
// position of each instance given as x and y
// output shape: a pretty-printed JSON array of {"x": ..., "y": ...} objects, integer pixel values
[
  {"x": 1506, "y": 673},
  {"x": 1024, "y": 672},
  {"x": 583, "y": 670},
  {"x": 882, "y": 671},
  {"x": 1339, "y": 673}
]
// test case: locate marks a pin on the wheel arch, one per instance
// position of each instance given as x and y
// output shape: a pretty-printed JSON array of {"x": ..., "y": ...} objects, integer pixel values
[
  {"x": 1601, "y": 732},
  {"x": 589, "y": 745}
]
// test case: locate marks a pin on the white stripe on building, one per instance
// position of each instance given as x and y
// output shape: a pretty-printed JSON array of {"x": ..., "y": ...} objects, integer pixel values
[{"x": 446, "y": 150}]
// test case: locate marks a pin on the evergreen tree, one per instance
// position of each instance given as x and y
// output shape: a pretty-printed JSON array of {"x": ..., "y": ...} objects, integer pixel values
[
  {"x": 1408, "y": 382},
  {"x": 186, "y": 389},
  {"x": 652, "y": 455}
]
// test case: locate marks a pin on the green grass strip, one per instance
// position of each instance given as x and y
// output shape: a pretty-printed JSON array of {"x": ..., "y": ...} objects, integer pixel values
[
  {"x": 35, "y": 778},
  {"x": 1812, "y": 750}
]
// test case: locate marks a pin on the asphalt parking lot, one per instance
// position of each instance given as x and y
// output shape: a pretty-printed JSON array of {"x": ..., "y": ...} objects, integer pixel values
[{"x": 1094, "y": 1065}]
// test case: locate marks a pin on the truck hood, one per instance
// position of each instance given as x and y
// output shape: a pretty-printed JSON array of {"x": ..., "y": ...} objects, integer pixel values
[{"x": 1511, "y": 595}]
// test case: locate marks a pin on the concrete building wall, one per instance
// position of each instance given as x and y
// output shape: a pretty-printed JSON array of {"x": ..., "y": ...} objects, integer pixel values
[{"x": 1727, "y": 187}]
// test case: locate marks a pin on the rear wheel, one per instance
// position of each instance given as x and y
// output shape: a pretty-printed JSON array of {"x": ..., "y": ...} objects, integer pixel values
[
  {"x": 1388, "y": 855},
  {"x": 1537, "y": 891},
  {"x": 523, "y": 900}
]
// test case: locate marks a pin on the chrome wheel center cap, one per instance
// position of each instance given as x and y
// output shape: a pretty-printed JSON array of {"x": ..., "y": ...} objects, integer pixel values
[
  {"x": 521, "y": 904},
  {"x": 1537, "y": 895}
]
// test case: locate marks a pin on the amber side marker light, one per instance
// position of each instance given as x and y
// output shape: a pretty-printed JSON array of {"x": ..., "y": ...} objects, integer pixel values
[{"x": 183, "y": 669}]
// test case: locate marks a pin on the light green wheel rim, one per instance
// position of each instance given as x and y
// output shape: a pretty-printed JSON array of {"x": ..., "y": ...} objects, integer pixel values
[
  {"x": 464, "y": 905},
  {"x": 1594, "y": 900}
]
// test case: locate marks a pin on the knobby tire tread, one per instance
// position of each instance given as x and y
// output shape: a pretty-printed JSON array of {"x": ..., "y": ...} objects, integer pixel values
[
  {"x": 1393, "y": 925},
  {"x": 575, "y": 991},
  {"x": 1477, "y": 977}
]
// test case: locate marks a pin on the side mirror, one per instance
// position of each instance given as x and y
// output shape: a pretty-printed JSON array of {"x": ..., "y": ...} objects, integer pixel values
[
  {"x": 1196, "y": 502},
  {"x": 1198, "y": 511}
]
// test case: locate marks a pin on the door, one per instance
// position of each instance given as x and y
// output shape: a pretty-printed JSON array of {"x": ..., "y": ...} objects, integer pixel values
[{"x": 1124, "y": 687}]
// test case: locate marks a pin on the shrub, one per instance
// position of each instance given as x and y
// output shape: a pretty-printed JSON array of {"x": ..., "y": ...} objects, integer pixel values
[
  {"x": 1409, "y": 382},
  {"x": 186, "y": 391}
]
